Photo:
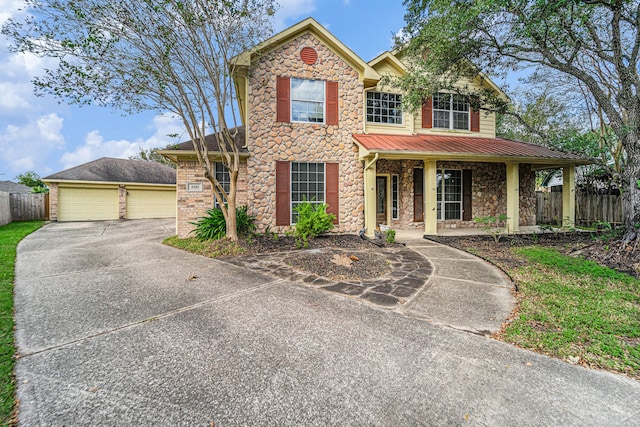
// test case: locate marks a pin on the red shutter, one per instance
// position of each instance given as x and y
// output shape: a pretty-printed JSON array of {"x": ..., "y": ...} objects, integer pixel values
[
  {"x": 427, "y": 119},
  {"x": 332, "y": 103},
  {"x": 283, "y": 108},
  {"x": 283, "y": 201},
  {"x": 467, "y": 195},
  {"x": 332, "y": 178},
  {"x": 475, "y": 120}
]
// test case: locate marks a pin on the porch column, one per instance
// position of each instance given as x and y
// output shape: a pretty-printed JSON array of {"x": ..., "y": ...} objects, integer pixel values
[
  {"x": 569, "y": 196},
  {"x": 513, "y": 197},
  {"x": 370, "y": 196},
  {"x": 430, "y": 198}
]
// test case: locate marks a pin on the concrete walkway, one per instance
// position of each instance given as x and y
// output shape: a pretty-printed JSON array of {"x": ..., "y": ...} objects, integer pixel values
[{"x": 463, "y": 292}]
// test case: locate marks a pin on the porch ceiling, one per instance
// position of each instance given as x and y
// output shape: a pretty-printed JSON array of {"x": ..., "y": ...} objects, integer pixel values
[{"x": 462, "y": 148}]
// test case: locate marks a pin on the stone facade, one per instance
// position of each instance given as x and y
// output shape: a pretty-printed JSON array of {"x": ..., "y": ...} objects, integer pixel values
[
  {"x": 271, "y": 141},
  {"x": 195, "y": 204},
  {"x": 122, "y": 201}
]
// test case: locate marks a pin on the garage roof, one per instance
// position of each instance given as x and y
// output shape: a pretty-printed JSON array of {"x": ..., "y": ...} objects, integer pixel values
[{"x": 107, "y": 169}]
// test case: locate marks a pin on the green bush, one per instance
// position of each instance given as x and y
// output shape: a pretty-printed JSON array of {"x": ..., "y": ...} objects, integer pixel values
[
  {"x": 214, "y": 227},
  {"x": 313, "y": 220},
  {"x": 390, "y": 236}
]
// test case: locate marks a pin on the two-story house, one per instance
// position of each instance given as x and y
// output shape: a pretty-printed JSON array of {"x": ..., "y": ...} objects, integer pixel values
[{"x": 318, "y": 125}]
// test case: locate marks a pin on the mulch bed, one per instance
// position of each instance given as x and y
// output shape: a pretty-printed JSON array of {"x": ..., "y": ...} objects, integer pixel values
[
  {"x": 334, "y": 256},
  {"x": 598, "y": 247}
]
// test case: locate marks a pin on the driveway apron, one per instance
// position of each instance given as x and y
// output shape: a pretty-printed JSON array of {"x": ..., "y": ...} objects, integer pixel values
[{"x": 113, "y": 328}]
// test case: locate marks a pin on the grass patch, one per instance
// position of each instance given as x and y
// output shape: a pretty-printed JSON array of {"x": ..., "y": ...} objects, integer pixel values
[
  {"x": 577, "y": 310},
  {"x": 208, "y": 248},
  {"x": 10, "y": 235}
]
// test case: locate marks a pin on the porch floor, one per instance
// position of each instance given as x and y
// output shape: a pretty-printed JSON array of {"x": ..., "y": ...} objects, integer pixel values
[{"x": 412, "y": 235}]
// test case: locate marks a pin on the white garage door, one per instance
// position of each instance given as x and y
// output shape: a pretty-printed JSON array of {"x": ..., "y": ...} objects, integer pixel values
[
  {"x": 82, "y": 204},
  {"x": 159, "y": 203}
]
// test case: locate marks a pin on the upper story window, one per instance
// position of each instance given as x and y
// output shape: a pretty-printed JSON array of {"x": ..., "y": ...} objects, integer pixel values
[
  {"x": 384, "y": 107},
  {"x": 307, "y": 101},
  {"x": 450, "y": 111}
]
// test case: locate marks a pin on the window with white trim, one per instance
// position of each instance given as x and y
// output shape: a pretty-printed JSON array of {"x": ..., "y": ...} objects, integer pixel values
[
  {"x": 451, "y": 111},
  {"x": 395, "y": 214},
  {"x": 223, "y": 177},
  {"x": 449, "y": 195},
  {"x": 307, "y": 183},
  {"x": 307, "y": 100},
  {"x": 384, "y": 108}
]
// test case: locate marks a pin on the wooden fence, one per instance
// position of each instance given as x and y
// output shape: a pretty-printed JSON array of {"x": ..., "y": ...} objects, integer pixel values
[
  {"x": 23, "y": 207},
  {"x": 5, "y": 208},
  {"x": 590, "y": 208}
]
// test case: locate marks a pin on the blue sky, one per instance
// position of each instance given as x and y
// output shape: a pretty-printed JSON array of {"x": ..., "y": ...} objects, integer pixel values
[{"x": 39, "y": 134}]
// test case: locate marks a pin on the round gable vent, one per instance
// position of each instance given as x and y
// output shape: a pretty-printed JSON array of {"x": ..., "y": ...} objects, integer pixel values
[{"x": 308, "y": 55}]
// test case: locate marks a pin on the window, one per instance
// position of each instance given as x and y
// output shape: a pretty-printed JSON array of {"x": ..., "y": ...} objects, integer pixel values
[
  {"x": 449, "y": 183},
  {"x": 307, "y": 183},
  {"x": 223, "y": 177},
  {"x": 384, "y": 108},
  {"x": 450, "y": 111},
  {"x": 307, "y": 101},
  {"x": 394, "y": 197}
]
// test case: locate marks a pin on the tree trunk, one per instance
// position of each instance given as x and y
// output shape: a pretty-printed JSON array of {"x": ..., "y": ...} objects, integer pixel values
[{"x": 631, "y": 188}]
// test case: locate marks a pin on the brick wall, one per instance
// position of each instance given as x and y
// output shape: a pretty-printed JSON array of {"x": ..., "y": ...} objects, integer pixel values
[{"x": 193, "y": 205}]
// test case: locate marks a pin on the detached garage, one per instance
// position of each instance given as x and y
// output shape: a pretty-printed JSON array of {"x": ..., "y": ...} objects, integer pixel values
[{"x": 110, "y": 189}]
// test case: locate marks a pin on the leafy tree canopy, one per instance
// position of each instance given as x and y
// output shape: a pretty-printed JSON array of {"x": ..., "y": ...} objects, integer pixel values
[
  {"x": 592, "y": 45},
  {"x": 32, "y": 179}
]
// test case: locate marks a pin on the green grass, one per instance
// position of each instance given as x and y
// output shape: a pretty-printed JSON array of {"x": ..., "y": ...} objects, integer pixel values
[
  {"x": 208, "y": 248},
  {"x": 10, "y": 236},
  {"x": 577, "y": 310}
]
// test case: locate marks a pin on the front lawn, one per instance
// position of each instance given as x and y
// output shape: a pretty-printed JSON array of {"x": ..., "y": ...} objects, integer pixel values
[
  {"x": 10, "y": 235},
  {"x": 567, "y": 306}
]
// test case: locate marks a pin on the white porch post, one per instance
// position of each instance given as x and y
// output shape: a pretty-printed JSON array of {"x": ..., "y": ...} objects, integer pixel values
[
  {"x": 569, "y": 196},
  {"x": 430, "y": 198},
  {"x": 370, "y": 196},
  {"x": 513, "y": 197}
]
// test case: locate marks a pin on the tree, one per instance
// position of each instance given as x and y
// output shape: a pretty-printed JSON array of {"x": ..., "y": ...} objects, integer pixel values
[
  {"x": 32, "y": 179},
  {"x": 592, "y": 44},
  {"x": 160, "y": 55},
  {"x": 151, "y": 155}
]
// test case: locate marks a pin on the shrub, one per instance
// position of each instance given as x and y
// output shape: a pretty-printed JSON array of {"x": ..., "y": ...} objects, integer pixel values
[
  {"x": 313, "y": 220},
  {"x": 491, "y": 225},
  {"x": 213, "y": 226},
  {"x": 390, "y": 235}
]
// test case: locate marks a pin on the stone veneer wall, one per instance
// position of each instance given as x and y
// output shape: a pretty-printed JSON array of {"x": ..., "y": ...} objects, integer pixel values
[
  {"x": 271, "y": 141},
  {"x": 122, "y": 201},
  {"x": 488, "y": 191},
  {"x": 193, "y": 205}
]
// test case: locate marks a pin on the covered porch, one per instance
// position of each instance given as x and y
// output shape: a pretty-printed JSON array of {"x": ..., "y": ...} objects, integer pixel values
[{"x": 439, "y": 184}]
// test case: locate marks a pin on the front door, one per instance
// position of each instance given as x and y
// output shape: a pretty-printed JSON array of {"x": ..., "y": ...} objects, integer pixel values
[{"x": 381, "y": 200}]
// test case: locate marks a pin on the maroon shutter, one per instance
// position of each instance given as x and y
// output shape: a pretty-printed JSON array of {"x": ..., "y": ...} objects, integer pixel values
[
  {"x": 283, "y": 108},
  {"x": 332, "y": 103},
  {"x": 418, "y": 195},
  {"x": 475, "y": 119},
  {"x": 467, "y": 214},
  {"x": 427, "y": 119},
  {"x": 283, "y": 200},
  {"x": 332, "y": 177}
]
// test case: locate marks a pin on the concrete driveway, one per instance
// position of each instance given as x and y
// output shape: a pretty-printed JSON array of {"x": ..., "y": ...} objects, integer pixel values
[{"x": 113, "y": 328}]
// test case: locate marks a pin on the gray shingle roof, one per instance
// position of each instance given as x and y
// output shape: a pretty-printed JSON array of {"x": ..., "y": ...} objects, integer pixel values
[
  {"x": 212, "y": 144},
  {"x": 14, "y": 187},
  {"x": 108, "y": 169}
]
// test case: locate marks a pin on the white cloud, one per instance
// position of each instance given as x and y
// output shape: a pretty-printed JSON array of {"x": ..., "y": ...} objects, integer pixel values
[
  {"x": 292, "y": 11},
  {"x": 95, "y": 145},
  {"x": 27, "y": 146}
]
